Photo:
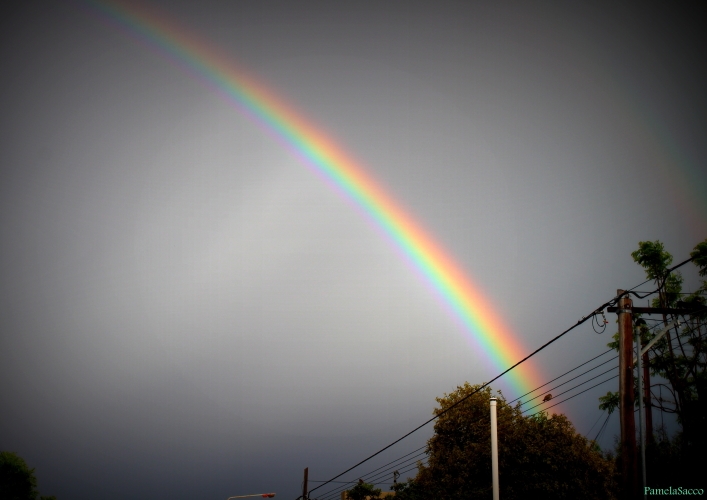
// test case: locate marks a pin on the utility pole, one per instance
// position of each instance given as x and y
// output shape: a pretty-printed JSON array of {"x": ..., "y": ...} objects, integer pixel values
[
  {"x": 629, "y": 470},
  {"x": 304, "y": 484}
]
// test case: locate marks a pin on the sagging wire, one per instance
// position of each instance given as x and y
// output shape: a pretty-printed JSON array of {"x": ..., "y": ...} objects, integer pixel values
[
  {"x": 560, "y": 376},
  {"x": 570, "y": 389},
  {"x": 574, "y": 396},
  {"x": 330, "y": 495},
  {"x": 568, "y": 381},
  {"x": 600, "y": 324},
  {"x": 602, "y": 428},
  {"x": 595, "y": 423},
  {"x": 371, "y": 474}
]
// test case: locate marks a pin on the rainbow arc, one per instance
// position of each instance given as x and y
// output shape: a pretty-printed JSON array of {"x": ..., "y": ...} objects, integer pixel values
[{"x": 470, "y": 307}]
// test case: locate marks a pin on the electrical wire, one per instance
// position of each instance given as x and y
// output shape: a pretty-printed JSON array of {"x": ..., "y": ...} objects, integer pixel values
[
  {"x": 601, "y": 429},
  {"x": 567, "y": 399},
  {"x": 595, "y": 423},
  {"x": 602, "y": 327},
  {"x": 374, "y": 478},
  {"x": 572, "y": 388},
  {"x": 570, "y": 380},
  {"x": 368, "y": 474},
  {"x": 374, "y": 481},
  {"x": 560, "y": 376},
  {"x": 593, "y": 378},
  {"x": 405, "y": 463}
]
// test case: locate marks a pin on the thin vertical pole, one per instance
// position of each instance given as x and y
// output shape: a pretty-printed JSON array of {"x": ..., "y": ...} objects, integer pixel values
[
  {"x": 641, "y": 415},
  {"x": 304, "y": 484},
  {"x": 494, "y": 449},
  {"x": 647, "y": 397},
  {"x": 647, "y": 401}
]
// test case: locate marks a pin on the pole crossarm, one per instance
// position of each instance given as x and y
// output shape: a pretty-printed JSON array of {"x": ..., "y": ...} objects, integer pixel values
[{"x": 655, "y": 310}]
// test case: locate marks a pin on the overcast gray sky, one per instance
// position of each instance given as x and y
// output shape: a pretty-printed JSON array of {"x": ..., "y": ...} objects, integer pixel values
[{"x": 187, "y": 311}]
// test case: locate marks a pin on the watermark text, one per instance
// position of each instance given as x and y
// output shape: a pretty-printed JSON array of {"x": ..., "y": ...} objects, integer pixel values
[{"x": 673, "y": 491}]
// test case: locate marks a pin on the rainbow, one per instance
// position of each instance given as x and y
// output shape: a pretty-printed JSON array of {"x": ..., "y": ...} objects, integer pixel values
[{"x": 319, "y": 152}]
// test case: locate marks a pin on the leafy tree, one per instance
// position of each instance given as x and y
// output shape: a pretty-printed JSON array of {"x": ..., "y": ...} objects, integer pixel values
[
  {"x": 17, "y": 480},
  {"x": 539, "y": 456},
  {"x": 363, "y": 491},
  {"x": 699, "y": 257}
]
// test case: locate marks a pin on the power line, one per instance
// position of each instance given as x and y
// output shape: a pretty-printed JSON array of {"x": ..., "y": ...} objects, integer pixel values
[
  {"x": 674, "y": 342},
  {"x": 601, "y": 429},
  {"x": 373, "y": 479},
  {"x": 370, "y": 479},
  {"x": 595, "y": 423},
  {"x": 571, "y": 388},
  {"x": 333, "y": 493},
  {"x": 567, "y": 399},
  {"x": 570, "y": 380},
  {"x": 560, "y": 376},
  {"x": 379, "y": 468}
]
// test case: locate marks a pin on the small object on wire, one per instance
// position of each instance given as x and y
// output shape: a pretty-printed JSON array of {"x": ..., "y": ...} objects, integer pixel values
[{"x": 547, "y": 397}]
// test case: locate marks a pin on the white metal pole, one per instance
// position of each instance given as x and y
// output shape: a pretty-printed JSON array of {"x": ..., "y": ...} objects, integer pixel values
[
  {"x": 494, "y": 449},
  {"x": 641, "y": 415}
]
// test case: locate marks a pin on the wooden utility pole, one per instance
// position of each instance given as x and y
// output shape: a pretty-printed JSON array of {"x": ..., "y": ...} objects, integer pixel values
[
  {"x": 629, "y": 476},
  {"x": 304, "y": 484}
]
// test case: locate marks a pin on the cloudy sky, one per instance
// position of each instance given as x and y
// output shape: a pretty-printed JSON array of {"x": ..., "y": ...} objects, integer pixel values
[{"x": 187, "y": 311}]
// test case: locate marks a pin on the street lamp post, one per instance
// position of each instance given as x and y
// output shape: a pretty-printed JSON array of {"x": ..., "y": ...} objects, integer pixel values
[{"x": 264, "y": 495}]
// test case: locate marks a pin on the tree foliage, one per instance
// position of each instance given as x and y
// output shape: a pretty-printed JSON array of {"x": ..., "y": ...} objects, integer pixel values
[
  {"x": 539, "y": 456},
  {"x": 408, "y": 490},
  {"x": 17, "y": 480},
  {"x": 363, "y": 491}
]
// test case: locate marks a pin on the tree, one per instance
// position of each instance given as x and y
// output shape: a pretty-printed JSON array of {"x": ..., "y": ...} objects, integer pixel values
[
  {"x": 17, "y": 481},
  {"x": 679, "y": 358},
  {"x": 539, "y": 456},
  {"x": 363, "y": 491}
]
